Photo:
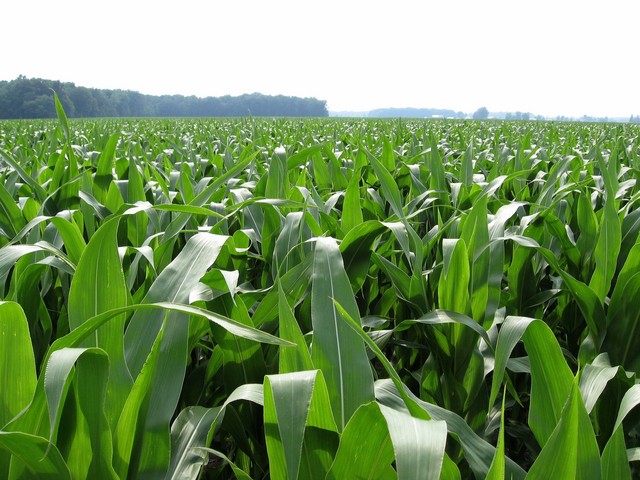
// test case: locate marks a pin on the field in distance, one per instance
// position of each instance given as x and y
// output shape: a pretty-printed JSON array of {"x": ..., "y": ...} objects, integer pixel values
[{"x": 272, "y": 298}]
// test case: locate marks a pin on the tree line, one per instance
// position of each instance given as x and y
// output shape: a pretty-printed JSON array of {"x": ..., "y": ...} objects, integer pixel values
[{"x": 33, "y": 98}]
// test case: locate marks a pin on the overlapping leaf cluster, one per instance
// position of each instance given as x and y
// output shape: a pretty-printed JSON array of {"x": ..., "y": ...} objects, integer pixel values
[{"x": 318, "y": 299}]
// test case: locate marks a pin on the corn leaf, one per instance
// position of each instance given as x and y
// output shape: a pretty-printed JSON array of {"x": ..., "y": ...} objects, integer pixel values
[
  {"x": 366, "y": 438},
  {"x": 337, "y": 350},
  {"x": 190, "y": 432},
  {"x": 571, "y": 451},
  {"x": 291, "y": 359},
  {"x": 98, "y": 286},
  {"x": 418, "y": 444},
  {"x": 17, "y": 362},
  {"x": 38, "y": 458},
  {"x": 287, "y": 403}
]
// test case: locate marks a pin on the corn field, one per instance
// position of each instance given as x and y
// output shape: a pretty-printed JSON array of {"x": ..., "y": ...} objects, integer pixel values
[{"x": 319, "y": 299}]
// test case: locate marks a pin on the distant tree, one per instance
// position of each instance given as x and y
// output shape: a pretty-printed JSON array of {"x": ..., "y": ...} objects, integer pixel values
[
  {"x": 33, "y": 98},
  {"x": 39, "y": 107},
  {"x": 85, "y": 102},
  {"x": 481, "y": 114}
]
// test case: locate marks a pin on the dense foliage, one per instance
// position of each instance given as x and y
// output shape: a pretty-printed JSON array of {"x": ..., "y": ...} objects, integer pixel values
[
  {"x": 276, "y": 298},
  {"x": 33, "y": 98}
]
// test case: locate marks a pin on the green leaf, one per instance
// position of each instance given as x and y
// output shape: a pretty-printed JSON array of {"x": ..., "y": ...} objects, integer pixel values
[
  {"x": 410, "y": 404},
  {"x": 630, "y": 400},
  {"x": 93, "y": 452},
  {"x": 11, "y": 219},
  {"x": 287, "y": 402},
  {"x": 291, "y": 359},
  {"x": 352, "y": 208},
  {"x": 321, "y": 176},
  {"x": 10, "y": 254},
  {"x": 129, "y": 435},
  {"x": 237, "y": 471},
  {"x": 243, "y": 360},
  {"x": 300, "y": 157},
  {"x": 38, "y": 458},
  {"x": 287, "y": 248},
  {"x": 584, "y": 296},
  {"x": 277, "y": 184},
  {"x": 606, "y": 251},
  {"x": 498, "y": 467},
  {"x": 621, "y": 341},
  {"x": 181, "y": 220},
  {"x": 478, "y": 452},
  {"x": 550, "y": 380},
  {"x": 92, "y": 370},
  {"x": 615, "y": 464},
  {"x": 17, "y": 363},
  {"x": 40, "y": 192},
  {"x": 173, "y": 285},
  {"x": 137, "y": 224},
  {"x": 435, "y": 166},
  {"x": 551, "y": 377},
  {"x": 365, "y": 438},
  {"x": 99, "y": 286},
  {"x": 466, "y": 167},
  {"x": 337, "y": 350},
  {"x": 443, "y": 317},
  {"x": 190, "y": 432},
  {"x": 62, "y": 118},
  {"x": 356, "y": 248},
  {"x": 72, "y": 238},
  {"x": 475, "y": 233},
  {"x": 294, "y": 283},
  {"x": 321, "y": 435},
  {"x": 453, "y": 286},
  {"x": 388, "y": 186},
  {"x": 594, "y": 379},
  {"x": 104, "y": 170},
  {"x": 418, "y": 444},
  {"x": 588, "y": 226},
  {"x": 75, "y": 337},
  {"x": 320, "y": 431},
  {"x": 572, "y": 450}
]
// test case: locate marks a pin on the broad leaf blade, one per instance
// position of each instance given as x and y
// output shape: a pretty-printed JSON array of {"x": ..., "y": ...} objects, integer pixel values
[
  {"x": 17, "y": 362},
  {"x": 365, "y": 438},
  {"x": 291, "y": 359},
  {"x": 418, "y": 444},
  {"x": 190, "y": 432},
  {"x": 98, "y": 286},
  {"x": 337, "y": 349},
  {"x": 572, "y": 450},
  {"x": 286, "y": 408},
  {"x": 27, "y": 448}
]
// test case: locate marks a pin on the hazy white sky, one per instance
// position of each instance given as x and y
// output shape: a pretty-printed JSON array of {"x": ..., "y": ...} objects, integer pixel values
[{"x": 547, "y": 57}]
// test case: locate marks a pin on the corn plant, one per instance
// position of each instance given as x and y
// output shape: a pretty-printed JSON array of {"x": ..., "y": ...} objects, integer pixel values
[{"x": 322, "y": 298}]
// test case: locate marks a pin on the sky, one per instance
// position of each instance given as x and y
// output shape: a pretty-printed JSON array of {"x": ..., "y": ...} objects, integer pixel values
[{"x": 559, "y": 57}]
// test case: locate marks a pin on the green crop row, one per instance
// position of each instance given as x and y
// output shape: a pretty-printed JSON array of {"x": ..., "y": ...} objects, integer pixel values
[{"x": 319, "y": 299}]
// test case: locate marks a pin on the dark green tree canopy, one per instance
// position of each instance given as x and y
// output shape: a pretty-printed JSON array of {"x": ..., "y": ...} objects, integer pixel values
[
  {"x": 33, "y": 98},
  {"x": 481, "y": 114}
]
